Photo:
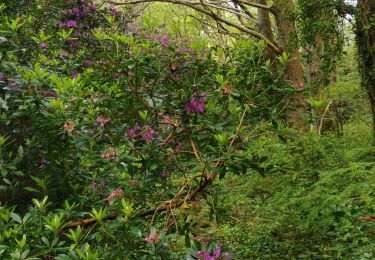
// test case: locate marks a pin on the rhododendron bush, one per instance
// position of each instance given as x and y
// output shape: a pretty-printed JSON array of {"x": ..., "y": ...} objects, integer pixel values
[{"x": 109, "y": 130}]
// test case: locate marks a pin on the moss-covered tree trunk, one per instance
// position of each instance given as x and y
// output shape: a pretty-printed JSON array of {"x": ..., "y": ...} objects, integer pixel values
[{"x": 365, "y": 32}]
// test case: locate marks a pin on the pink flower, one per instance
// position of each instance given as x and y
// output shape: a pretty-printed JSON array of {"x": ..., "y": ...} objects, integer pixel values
[
  {"x": 64, "y": 54},
  {"x": 110, "y": 154},
  {"x": 62, "y": 137},
  {"x": 43, "y": 45},
  {"x": 153, "y": 238},
  {"x": 114, "y": 194},
  {"x": 164, "y": 42},
  {"x": 59, "y": 24},
  {"x": 13, "y": 85},
  {"x": 71, "y": 24},
  {"x": 75, "y": 11},
  {"x": 196, "y": 105},
  {"x": 42, "y": 163},
  {"x": 92, "y": 6},
  {"x": 2, "y": 77},
  {"x": 131, "y": 74},
  {"x": 114, "y": 10},
  {"x": 87, "y": 63},
  {"x": 102, "y": 121},
  {"x": 132, "y": 132},
  {"x": 50, "y": 94},
  {"x": 148, "y": 133},
  {"x": 117, "y": 74}
]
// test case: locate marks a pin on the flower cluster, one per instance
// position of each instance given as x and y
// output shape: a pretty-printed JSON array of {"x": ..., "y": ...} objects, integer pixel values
[
  {"x": 102, "y": 121},
  {"x": 213, "y": 255},
  {"x": 87, "y": 63},
  {"x": 98, "y": 186},
  {"x": 196, "y": 104},
  {"x": 153, "y": 238},
  {"x": 13, "y": 85},
  {"x": 68, "y": 127},
  {"x": 111, "y": 153},
  {"x": 43, "y": 162},
  {"x": 43, "y": 45},
  {"x": 50, "y": 94},
  {"x": 2, "y": 77},
  {"x": 114, "y": 194},
  {"x": 146, "y": 132}
]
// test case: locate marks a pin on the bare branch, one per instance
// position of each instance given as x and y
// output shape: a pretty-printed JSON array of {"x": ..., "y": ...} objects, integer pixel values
[
  {"x": 195, "y": 6},
  {"x": 254, "y": 5}
]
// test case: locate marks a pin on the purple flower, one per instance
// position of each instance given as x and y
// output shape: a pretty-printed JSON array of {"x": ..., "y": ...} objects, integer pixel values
[
  {"x": 133, "y": 27},
  {"x": 62, "y": 137},
  {"x": 64, "y": 54},
  {"x": 69, "y": 1},
  {"x": 148, "y": 134},
  {"x": 75, "y": 11},
  {"x": 50, "y": 94},
  {"x": 92, "y": 6},
  {"x": 74, "y": 75},
  {"x": 196, "y": 105},
  {"x": 87, "y": 63},
  {"x": 102, "y": 184},
  {"x": 2, "y": 77},
  {"x": 59, "y": 24},
  {"x": 93, "y": 185},
  {"x": 71, "y": 24},
  {"x": 114, "y": 10},
  {"x": 102, "y": 121},
  {"x": 43, "y": 45},
  {"x": 42, "y": 163},
  {"x": 117, "y": 74},
  {"x": 217, "y": 252},
  {"x": 13, "y": 85},
  {"x": 153, "y": 238},
  {"x": 132, "y": 132},
  {"x": 208, "y": 255},
  {"x": 72, "y": 43},
  {"x": 204, "y": 255},
  {"x": 134, "y": 15},
  {"x": 164, "y": 42}
]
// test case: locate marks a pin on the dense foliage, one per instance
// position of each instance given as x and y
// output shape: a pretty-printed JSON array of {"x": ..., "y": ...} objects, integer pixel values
[
  {"x": 100, "y": 115},
  {"x": 120, "y": 140}
]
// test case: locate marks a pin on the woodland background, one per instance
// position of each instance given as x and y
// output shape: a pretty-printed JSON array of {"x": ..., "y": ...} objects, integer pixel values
[{"x": 183, "y": 129}]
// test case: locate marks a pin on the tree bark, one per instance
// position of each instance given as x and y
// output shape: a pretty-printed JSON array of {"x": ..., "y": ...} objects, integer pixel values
[
  {"x": 288, "y": 41},
  {"x": 365, "y": 33},
  {"x": 265, "y": 28}
]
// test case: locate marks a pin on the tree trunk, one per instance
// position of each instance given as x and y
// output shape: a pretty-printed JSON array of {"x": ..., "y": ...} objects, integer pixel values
[
  {"x": 365, "y": 33},
  {"x": 265, "y": 28},
  {"x": 288, "y": 41},
  {"x": 315, "y": 61}
]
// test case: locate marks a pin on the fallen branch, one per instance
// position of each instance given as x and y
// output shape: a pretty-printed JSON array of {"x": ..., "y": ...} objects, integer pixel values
[
  {"x": 322, "y": 118},
  {"x": 166, "y": 207},
  {"x": 206, "y": 180}
]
